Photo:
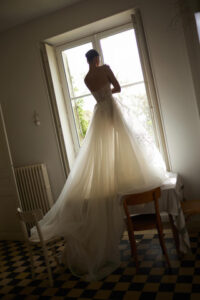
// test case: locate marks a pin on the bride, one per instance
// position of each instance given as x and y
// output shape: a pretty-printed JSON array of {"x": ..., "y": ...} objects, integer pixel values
[{"x": 116, "y": 158}]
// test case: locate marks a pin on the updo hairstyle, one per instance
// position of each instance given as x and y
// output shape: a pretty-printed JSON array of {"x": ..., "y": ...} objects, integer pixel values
[{"x": 91, "y": 54}]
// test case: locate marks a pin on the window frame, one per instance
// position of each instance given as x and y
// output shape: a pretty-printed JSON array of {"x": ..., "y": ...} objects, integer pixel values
[{"x": 149, "y": 80}]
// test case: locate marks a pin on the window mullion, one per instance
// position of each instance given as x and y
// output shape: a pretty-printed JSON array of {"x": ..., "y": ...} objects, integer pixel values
[
  {"x": 97, "y": 46},
  {"x": 131, "y": 84},
  {"x": 68, "y": 75},
  {"x": 72, "y": 97},
  {"x": 80, "y": 96}
]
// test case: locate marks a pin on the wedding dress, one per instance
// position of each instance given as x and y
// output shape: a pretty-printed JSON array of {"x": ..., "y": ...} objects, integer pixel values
[{"x": 116, "y": 158}]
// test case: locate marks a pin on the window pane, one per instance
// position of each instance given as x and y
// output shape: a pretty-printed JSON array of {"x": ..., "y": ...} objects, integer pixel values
[
  {"x": 120, "y": 51},
  {"x": 135, "y": 98},
  {"x": 76, "y": 67},
  {"x": 83, "y": 110}
]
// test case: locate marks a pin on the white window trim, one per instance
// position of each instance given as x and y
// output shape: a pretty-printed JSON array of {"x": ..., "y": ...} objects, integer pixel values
[{"x": 146, "y": 66}]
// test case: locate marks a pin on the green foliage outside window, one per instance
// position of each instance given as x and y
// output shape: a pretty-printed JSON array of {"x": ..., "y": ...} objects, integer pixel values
[
  {"x": 80, "y": 115},
  {"x": 82, "y": 118}
]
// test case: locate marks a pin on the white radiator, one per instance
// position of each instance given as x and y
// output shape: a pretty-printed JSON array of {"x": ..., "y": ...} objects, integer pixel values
[{"x": 34, "y": 188}]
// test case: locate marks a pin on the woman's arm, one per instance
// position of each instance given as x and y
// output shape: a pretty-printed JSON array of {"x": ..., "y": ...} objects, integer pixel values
[{"x": 113, "y": 80}]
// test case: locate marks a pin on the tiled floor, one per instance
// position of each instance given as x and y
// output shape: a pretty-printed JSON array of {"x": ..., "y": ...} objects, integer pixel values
[{"x": 153, "y": 281}]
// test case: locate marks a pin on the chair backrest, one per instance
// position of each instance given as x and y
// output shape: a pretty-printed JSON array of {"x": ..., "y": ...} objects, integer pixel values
[
  {"x": 142, "y": 198},
  {"x": 29, "y": 219}
]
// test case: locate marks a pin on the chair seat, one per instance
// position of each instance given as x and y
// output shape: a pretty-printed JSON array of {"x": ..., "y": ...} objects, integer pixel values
[
  {"x": 144, "y": 221},
  {"x": 191, "y": 207}
]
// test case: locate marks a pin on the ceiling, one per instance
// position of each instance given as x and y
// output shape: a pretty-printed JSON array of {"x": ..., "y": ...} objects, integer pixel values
[{"x": 15, "y": 12}]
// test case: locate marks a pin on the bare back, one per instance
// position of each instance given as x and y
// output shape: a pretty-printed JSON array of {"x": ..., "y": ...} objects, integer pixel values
[{"x": 98, "y": 77}]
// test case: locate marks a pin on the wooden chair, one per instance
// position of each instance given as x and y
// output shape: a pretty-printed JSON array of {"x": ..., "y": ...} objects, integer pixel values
[
  {"x": 144, "y": 221},
  {"x": 190, "y": 208},
  {"x": 41, "y": 246}
]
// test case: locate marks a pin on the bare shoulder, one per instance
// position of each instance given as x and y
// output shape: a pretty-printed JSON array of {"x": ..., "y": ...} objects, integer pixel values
[{"x": 106, "y": 68}]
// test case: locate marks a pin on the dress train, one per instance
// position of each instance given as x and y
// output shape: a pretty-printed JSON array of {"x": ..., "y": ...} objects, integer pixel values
[{"x": 116, "y": 158}]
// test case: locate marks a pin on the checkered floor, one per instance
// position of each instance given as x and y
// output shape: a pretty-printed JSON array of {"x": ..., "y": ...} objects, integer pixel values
[{"x": 153, "y": 281}]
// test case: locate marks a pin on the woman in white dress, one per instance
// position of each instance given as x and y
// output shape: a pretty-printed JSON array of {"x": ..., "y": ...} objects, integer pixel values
[{"x": 116, "y": 158}]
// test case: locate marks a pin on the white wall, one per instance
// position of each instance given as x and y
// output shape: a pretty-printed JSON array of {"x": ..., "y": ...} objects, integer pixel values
[
  {"x": 9, "y": 225},
  {"x": 23, "y": 87},
  {"x": 176, "y": 90}
]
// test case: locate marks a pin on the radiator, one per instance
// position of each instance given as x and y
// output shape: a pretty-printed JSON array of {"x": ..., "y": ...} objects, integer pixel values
[{"x": 34, "y": 188}]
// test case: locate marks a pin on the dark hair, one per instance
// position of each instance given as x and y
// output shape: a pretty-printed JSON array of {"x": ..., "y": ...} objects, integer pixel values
[{"x": 91, "y": 54}]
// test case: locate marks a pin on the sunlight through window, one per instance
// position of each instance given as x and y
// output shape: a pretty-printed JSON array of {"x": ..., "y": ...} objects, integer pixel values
[{"x": 120, "y": 51}]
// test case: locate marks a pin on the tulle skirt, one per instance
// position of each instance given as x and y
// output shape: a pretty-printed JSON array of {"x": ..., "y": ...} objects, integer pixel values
[{"x": 116, "y": 158}]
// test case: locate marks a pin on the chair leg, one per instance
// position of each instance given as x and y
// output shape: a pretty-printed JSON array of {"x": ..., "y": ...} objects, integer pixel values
[
  {"x": 46, "y": 258},
  {"x": 133, "y": 249},
  {"x": 162, "y": 243}
]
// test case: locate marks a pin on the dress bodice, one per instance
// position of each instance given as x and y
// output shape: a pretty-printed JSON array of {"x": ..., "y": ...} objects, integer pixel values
[{"x": 104, "y": 93}]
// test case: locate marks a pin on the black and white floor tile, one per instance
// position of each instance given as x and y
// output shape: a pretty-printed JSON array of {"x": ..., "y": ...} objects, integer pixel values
[{"x": 153, "y": 281}]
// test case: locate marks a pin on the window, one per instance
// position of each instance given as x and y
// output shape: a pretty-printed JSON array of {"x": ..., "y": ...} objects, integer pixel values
[
  {"x": 119, "y": 49},
  {"x": 124, "y": 48}
]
